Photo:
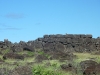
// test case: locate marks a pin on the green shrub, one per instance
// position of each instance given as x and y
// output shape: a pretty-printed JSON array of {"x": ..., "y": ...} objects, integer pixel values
[
  {"x": 41, "y": 52},
  {"x": 6, "y": 51},
  {"x": 30, "y": 53},
  {"x": 41, "y": 70}
]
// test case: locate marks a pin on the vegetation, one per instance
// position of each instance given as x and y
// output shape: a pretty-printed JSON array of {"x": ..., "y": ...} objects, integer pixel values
[
  {"x": 40, "y": 69},
  {"x": 5, "y": 51},
  {"x": 47, "y": 67},
  {"x": 86, "y": 56}
]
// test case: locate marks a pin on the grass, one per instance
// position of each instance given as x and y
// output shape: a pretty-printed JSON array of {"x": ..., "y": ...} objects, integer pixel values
[
  {"x": 86, "y": 56},
  {"x": 52, "y": 69},
  {"x": 8, "y": 66},
  {"x": 39, "y": 69},
  {"x": 1, "y": 56},
  {"x": 5, "y": 51},
  {"x": 29, "y": 53}
]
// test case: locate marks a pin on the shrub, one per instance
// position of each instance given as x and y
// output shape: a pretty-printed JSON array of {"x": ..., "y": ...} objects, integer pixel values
[
  {"x": 41, "y": 70},
  {"x": 30, "y": 53}
]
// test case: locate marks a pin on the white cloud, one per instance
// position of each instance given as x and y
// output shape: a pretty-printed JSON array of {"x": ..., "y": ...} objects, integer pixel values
[{"x": 14, "y": 16}]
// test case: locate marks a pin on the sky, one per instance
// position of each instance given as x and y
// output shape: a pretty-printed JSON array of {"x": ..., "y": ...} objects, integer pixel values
[{"x": 24, "y": 20}]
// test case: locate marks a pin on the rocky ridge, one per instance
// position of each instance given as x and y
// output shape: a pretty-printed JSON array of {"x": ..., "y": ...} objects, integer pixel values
[{"x": 65, "y": 43}]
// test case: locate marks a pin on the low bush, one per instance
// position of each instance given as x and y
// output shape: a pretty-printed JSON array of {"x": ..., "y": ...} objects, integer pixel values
[{"x": 41, "y": 70}]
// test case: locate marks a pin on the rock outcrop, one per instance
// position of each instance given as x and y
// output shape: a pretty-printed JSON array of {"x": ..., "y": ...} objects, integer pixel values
[{"x": 67, "y": 42}]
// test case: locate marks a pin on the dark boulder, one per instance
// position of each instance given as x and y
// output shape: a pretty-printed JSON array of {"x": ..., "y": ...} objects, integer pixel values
[
  {"x": 87, "y": 63},
  {"x": 88, "y": 67},
  {"x": 40, "y": 58},
  {"x": 38, "y": 45},
  {"x": 90, "y": 70},
  {"x": 48, "y": 46},
  {"x": 46, "y": 36},
  {"x": 13, "y": 56},
  {"x": 59, "y": 47},
  {"x": 16, "y": 48},
  {"x": 69, "y": 36},
  {"x": 28, "y": 48},
  {"x": 59, "y": 36},
  {"x": 69, "y": 67},
  {"x": 89, "y": 36}
]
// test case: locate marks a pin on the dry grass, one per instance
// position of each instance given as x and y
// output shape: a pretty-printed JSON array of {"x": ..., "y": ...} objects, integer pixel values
[
  {"x": 86, "y": 56},
  {"x": 55, "y": 64}
]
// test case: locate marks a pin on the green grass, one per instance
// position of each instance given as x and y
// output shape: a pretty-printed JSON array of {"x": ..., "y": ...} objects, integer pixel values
[
  {"x": 29, "y": 53},
  {"x": 5, "y": 51},
  {"x": 41, "y": 70},
  {"x": 8, "y": 66},
  {"x": 52, "y": 69}
]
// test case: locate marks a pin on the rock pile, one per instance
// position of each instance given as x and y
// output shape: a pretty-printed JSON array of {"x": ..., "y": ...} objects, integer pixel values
[{"x": 67, "y": 42}]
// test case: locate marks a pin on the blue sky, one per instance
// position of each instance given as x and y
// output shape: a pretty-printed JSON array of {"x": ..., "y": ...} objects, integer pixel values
[{"x": 29, "y": 19}]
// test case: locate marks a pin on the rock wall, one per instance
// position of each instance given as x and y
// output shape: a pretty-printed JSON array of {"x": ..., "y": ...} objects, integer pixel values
[{"x": 67, "y": 42}]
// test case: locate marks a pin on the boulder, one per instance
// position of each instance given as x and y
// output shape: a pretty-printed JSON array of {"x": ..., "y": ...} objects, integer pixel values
[
  {"x": 59, "y": 36},
  {"x": 40, "y": 58},
  {"x": 88, "y": 35},
  {"x": 48, "y": 46},
  {"x": 38, "y": 45},
  {"x": 40, "y": 39},
  {"x": 59, "y": 47},
  {"x": 83, "y": 36},
  {"x": 69, "y": 36},
  {"x": 97, "y": 70},
  {"x": 69, "y": 67},
  {"x": 13, "y": 56},
  {"x": 52, "y": 36},
  {"x": 46, "y": 36},
  {"x": 50, "y": 40},
  {"x": 90, "y": 70},
  {"x": 16, "y": 48},
  {"x": 69, "y": 40},
  {"x": 76, "y": 36},
  {"x": 45, "y": 40},
  {"x": 87, "y": 63}
]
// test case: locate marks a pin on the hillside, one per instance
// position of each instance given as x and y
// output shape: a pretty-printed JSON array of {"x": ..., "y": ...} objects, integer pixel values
[{"x": 69, "y": 54}]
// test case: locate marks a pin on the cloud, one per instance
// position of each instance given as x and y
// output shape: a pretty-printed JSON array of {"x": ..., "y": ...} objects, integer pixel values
[
  {"x": 4, "y": 25},
  {"x": 37, "y": 23},
  {"x": 14, "y": 16},
  {"x": 7, "y": 27},
  {"x": 12, "y": 29}
]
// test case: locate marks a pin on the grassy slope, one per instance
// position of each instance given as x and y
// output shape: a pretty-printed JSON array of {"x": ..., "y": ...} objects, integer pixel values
[{"x": 55, "y": 64}]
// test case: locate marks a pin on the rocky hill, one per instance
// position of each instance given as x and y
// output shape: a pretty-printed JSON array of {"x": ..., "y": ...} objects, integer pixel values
[
  {"x": 74, "y": 53},
  {"x": 67, "y": 42}
]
